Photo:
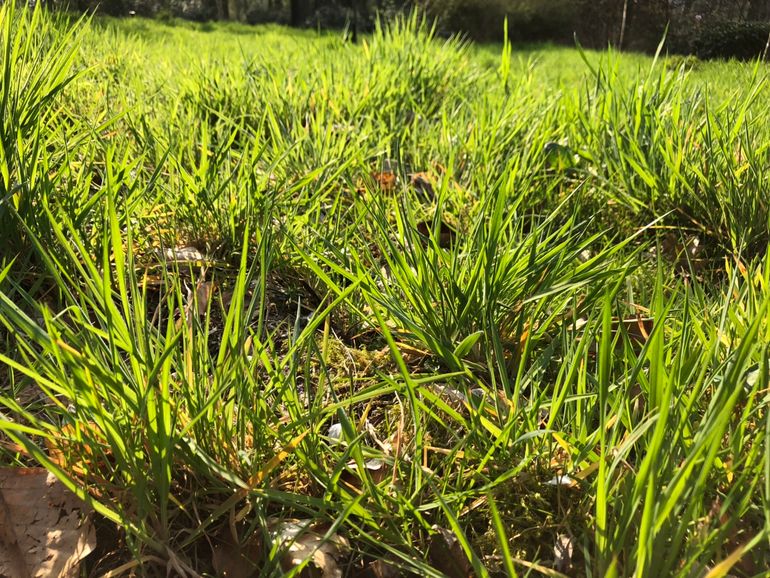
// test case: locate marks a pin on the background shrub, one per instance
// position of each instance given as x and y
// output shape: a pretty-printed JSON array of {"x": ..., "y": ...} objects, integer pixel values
[
  {"x": 740, "y": 40},
  {"x": 528, "y": 20},
  {"x": 707, "y": 28}
]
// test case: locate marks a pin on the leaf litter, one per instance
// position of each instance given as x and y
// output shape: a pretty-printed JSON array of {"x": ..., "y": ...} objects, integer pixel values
[{"x": 45, "y": 530}]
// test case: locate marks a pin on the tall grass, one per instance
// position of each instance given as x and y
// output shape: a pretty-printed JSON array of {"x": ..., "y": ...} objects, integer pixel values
[
  {"x": 238, "y": 254},
  {"x": 37, "y": 56}
]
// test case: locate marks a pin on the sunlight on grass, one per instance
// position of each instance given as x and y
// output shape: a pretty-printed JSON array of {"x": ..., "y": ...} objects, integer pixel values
[{"x": 512, "y": 317}]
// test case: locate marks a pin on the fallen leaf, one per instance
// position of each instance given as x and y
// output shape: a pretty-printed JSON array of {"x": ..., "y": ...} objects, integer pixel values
[
  {"x": 376, "y": 468},
  {"x": 386, "y": 181},
  {"x": 383, "y": 569},
  {"x": 15, "y": 563},
  {"x": 685, "y": 252},
  {"x": 73, "y": 448},
  {"x": 203, "y": 293},
  {"x": 422, "y": 183},
  {"x": 559, "y": 157},
  {"x": 637, "y": 328},
  {"x": 447, "y": 555},
  {"x": 183, "y": 255},
  {"x": 232, "y": 559},
  {"x": 47, "y": 530},
  {"x": 302, "y": 540},
  {"x": 562, "y": 553},
  {"x": 446, "y": 234}
]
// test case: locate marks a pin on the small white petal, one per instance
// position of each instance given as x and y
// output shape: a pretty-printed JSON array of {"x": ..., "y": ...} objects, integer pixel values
[
  {"x": 564, "y": 480},
  {"x": 335, "y": 433}
]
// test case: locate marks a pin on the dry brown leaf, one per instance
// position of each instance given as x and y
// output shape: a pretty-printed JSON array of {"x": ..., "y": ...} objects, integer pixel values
[
  {"x": 302, "y": 540},
  {"x": 376, "y": 468},
  {"x": 685, "y": 252},
  {"x": 562, "y": 553},
  {"x": 637, "y": 328},
  {"x": 446, "y": 234},
  {"x": 379, "y": 569},
  {"x": 183, "y": 255},
  {"x": 422, "y": 182},
  {"x": 386, "y": 180},
  {"x": 9, "y": 543},
  {"x": 77, "y": 442},
  {"x": 51, "y": 526},
  {"x": 447, "y": 555},
  {"x": 203, "y": 293},
  {"x": 232, "y": 559}
]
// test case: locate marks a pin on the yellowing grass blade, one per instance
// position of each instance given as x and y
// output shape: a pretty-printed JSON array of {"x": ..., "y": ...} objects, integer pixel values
[{"x": 273, "y": 463}]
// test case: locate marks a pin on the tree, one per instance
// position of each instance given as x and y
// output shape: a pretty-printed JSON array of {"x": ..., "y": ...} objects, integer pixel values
[
  {"x": 221, "y": 10},
  {"x": 301, "y": 11},
  {"x": 234, "y": 10},
  {"x": 357, "y": 12}
]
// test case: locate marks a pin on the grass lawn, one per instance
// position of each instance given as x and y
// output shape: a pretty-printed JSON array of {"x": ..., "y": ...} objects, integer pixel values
[{"x": 405, "y": 307}]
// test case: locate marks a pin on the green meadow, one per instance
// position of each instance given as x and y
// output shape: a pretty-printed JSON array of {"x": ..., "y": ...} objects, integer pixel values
[{"x": 410, "y": 306}]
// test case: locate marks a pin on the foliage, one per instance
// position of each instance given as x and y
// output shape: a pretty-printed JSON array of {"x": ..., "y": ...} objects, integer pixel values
[
  {"x": 36, "y": 67},
  {"x": 455, "y": 307},
  {"x": 530, "y": 21},
  {"x": 741, "y": 40},
  {"x": 708, "y": 28}
]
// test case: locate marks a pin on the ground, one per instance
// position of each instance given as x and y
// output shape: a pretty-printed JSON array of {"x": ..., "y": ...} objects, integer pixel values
[{"x": 410, "y": 306}]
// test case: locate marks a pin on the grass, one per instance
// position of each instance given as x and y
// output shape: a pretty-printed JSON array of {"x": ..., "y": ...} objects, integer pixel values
[{"x": 458, "y": 305}]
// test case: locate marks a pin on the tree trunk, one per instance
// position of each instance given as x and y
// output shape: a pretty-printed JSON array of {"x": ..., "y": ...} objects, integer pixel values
[
  {"x": 300, "y": 12},
  {"x": 354, "y": 23},
  {"x": 623, "y": 25},
  {"x": 233, "y": 10}
]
